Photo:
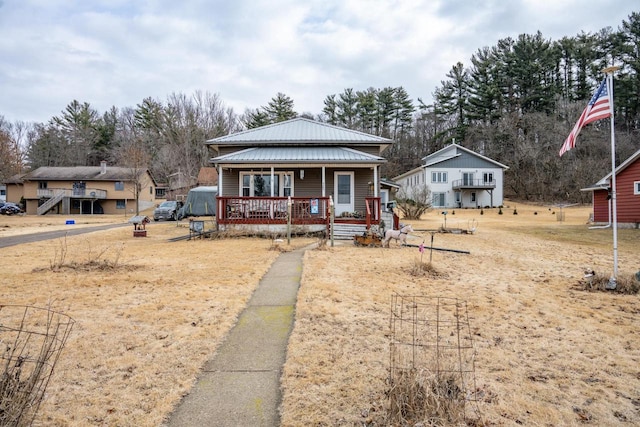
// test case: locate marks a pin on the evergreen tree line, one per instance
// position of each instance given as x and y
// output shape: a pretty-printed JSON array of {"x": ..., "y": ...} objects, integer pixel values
[{"x": 515, "y": 102}]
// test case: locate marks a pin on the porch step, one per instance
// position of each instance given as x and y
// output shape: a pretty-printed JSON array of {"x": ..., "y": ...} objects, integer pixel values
[{"x": 347, "y": 231}]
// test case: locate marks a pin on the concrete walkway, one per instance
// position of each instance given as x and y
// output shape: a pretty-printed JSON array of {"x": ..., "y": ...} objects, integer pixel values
[{"x": 240, "y": 386}]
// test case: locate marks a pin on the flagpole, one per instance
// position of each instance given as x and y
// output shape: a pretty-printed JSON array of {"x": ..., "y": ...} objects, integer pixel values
[{"x": 609, "y": 73}]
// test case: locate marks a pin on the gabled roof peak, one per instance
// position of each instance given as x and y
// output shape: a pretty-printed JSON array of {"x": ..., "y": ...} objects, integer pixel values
[
  {"x": 299, "y": 130},
  {"x": 453, "y": 150}
]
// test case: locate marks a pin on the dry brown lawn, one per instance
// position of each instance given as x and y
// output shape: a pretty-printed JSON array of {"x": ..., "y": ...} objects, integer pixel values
[{"x": 547, "y": 352}]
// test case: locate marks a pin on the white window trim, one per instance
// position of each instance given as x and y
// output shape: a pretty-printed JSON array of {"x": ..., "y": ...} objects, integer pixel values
[
  {"x": 442, "y": 196},
  {"x": 441, "y": 177},
  {"x": 280, "y": 174},
  {"x": 636, "y": 188}
]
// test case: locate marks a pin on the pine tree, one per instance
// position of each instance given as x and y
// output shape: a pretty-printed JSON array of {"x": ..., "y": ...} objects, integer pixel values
[
  {"x": 330, "y": 109},
  {"x": 280, "y": 108},
  {"x": 348, "y": 109}
]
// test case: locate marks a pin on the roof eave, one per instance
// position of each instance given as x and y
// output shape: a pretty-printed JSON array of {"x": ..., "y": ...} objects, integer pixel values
[{"x": 295, "y": 163}]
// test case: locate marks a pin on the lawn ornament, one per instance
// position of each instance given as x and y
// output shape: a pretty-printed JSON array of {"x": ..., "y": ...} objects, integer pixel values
[{"x": 400, "y": 235}]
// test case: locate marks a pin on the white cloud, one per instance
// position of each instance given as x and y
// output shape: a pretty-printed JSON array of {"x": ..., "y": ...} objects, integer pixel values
[{"x": 117, "y": 52}]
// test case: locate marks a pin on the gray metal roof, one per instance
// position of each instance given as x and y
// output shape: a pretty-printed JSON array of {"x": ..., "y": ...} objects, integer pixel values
[
  {"x": 298, "y": 155},
  {"x": 79, "y": 173},
  {"x": 454, "y": 151},
  {"x": 299, "y": 130}
]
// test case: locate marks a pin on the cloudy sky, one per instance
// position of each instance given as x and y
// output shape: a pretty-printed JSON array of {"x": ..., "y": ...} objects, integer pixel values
[{"x": 118, "y": 52}]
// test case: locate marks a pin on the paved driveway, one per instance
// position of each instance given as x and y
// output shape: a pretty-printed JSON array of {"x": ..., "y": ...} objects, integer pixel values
[{"x": 46, "y": 235}]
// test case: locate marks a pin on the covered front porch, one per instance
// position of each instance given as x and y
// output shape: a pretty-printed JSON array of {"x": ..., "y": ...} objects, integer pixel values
[{"x": 310, "y": 213}]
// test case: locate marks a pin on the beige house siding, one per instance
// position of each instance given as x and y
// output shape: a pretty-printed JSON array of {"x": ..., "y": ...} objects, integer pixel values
[
  {"x": 113, "y": 202},
  {"x": 14, "y": 192}
]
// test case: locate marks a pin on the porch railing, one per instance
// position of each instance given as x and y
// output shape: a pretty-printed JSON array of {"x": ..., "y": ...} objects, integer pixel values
[
  {"x": 272, "y": 210},
  {"x": 373, "y": 210},
  {"x": 84, "y": 193},
  {"x": 472, "y": 183}
]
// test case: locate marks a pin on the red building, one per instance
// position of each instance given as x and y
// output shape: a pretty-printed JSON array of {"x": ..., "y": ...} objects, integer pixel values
[{"x": 627, "y": 195}]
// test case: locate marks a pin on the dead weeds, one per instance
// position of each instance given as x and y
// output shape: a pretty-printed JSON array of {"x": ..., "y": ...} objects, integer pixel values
[{"x": 626, "y": 284}]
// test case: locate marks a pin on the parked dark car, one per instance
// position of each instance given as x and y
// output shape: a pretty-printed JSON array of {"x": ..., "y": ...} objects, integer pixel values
[
  {"x": 9, "y": 208},
  {"x": 167, "y": 210}
]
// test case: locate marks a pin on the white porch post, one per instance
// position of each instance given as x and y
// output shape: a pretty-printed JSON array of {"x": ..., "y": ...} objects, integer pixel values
[
  {"x": 324, "y": 181},
  {"x": 375, "y": 181},
  {"x": 220, "y": 186},
  {"x": 272, "y": 181}
]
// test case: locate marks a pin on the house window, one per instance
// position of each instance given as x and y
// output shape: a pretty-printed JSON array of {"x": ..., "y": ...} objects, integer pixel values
[
  {"x": 246, "y": 185},
  {"x": 259, "y": 184},
  {"x": 119, "y": 186},
  {"x": 488, "y": 177},
  {"x": 121, "y": 204},
  {"x": 467, "y": 178},
  {"x": 636, "y": 188},
  {"x": 150, "y": 190},
  {"x": 262, "y": 185},
  {"x": 42, "y": 185},
  {"x": 438, "y": 177},
  {"x": 79, "y": 188},
  {"x": 437, "y": 199},
  {"x": 287, "y": 185},
  {"x": 473, "y": 197}
]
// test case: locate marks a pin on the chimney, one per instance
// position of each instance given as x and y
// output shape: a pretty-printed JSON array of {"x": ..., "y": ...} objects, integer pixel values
[{"x": 103, "y": 167}]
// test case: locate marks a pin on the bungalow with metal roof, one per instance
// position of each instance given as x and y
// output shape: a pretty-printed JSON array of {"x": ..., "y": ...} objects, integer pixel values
[
  {"x": 457, "y": 178},
  {"x": 302, "y": 161},
  {"x": 84, "y": 190}
]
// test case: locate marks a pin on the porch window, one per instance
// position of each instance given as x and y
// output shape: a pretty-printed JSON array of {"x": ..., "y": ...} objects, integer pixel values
[
  {"x": 439, "y": 177},
  {"x": 42, "y": 185},
  {"x": 467, "y": 178},
  {"x": 636, "y": 188},
  {"x": 246, "y": 185},
  {"x": 488, "y": 177},
  {"x": 259, "y": 184},
  {"x": 287, "y": 185}
]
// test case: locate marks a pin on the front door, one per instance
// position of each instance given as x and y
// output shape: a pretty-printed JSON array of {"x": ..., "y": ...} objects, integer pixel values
[{"x": 343, "y": 191}]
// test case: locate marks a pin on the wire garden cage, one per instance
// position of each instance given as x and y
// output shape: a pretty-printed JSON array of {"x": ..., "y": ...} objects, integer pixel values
[
  {"x": 31, "y": 340},
  {"x": 432, "y": 374}
]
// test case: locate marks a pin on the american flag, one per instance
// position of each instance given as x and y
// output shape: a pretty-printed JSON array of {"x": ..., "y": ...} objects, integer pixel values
[{"x": 598, "y": 108}]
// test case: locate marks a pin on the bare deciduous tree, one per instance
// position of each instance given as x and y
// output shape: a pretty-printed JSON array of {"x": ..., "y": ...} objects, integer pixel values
[{"x": 414, "y": 201}]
